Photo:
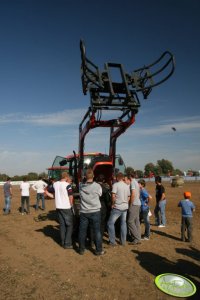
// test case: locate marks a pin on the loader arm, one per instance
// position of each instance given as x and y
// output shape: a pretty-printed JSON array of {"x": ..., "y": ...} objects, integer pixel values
[{"x": 121, "y": 95}]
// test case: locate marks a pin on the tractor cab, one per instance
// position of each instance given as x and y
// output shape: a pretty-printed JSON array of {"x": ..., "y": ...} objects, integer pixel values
[{"x": 100, "y": 164}]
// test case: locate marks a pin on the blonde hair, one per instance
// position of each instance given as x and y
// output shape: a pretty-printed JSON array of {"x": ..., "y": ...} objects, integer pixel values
[
  {"x": 89, "y": 174},
  {"x": 64, "y": 175}
]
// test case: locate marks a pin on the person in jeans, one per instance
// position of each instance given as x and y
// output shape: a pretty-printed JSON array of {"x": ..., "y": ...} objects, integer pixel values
[
  {"x": 134, "y": 211},
  {"x": 64, "y": 203},
  {"x": 159, "y": 210},
  {"x": 105, "y": 200},
  {"x": 25, "y": 195},
  {"x": 7, "y": 188},
  {"x": 187, "y": 209},
  {"x": 120, "y": 199},
  {"x": 40, "y": 187},
  {"x": 90, "y": 215},
  {"x": 144, "y": 210}
]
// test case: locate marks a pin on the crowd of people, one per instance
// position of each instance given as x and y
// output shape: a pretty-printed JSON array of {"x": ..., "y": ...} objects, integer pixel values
[{"x": 119, "y": 209}]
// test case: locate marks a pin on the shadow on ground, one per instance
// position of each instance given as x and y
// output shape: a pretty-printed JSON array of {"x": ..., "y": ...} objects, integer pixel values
[
  {"x": 192, "y": 253},
  {"x": 52, "y": 232},
  {"x": 162, "y": 233},
  {"x": 156, "y": 265}
]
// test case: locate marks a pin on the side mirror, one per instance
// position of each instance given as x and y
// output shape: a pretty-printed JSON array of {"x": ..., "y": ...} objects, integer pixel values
[
  {"x": 63, "y": 162},
  {"x": 120, "y": 161}
]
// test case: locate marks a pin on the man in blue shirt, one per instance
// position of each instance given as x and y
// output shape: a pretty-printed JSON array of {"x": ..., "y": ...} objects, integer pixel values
[
  {"x": 187, "y": 208},
  {"x": 144, "y": 210}
]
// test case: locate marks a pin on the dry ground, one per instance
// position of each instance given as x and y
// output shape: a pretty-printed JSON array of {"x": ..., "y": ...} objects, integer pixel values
[{"x": 34, "y": 266}]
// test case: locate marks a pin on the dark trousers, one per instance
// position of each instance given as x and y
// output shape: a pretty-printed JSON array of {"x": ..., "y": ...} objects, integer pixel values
[
  {"x": 186, "y": 225},
  {"x": 104, "y": 220},
  {"x": 104, "y": 217},
  {"x": 94, "y": 221},
  {"x": 40, "y": 196},
  {"x": 25, "y": 199},
  {"x": 65, "y": 217}
]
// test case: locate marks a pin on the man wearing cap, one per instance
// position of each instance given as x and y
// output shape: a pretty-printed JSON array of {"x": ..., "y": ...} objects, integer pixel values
[{"x": 187, "y": 208}]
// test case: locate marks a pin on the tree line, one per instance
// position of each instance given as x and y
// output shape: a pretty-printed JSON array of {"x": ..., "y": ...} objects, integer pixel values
[
  {"x": 163, "y": 167},
  {"x": 30, "y": 176}
]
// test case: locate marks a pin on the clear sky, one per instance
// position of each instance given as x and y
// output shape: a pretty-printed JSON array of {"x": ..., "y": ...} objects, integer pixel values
[{"x": 40, "y": 85}]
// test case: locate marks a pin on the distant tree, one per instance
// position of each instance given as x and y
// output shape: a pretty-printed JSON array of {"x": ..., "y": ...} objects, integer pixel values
[
  {"x": 139, "y": 173},
  {"x": 177, "y": 172},
  {"x": 43, "y": 175},
  {"x": 129, "y": 170},
  {"x": 158, "y": 170},
  {"x": 32, "y": 176},
  {"x": 149, "y": 169},
  {"x": 166, "y": 166},
  {"x": 3, "y": 177},
  {"x": 16, "y": 178}
]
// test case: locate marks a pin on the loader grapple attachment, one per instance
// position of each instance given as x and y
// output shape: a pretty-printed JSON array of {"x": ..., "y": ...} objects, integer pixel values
[{"x": 123, "y": 90}]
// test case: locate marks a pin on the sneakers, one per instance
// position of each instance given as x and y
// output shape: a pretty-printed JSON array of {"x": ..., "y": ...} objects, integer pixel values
[
  {"x": 145, "y": 238},
  {"x": 135, "y": 243},
  {"x": 67, "y": 247},
  {"x": 161, "y": 226},
  {"x": 111, "y": 245},
  {"x": 81, "y": 251},
  {"x": 100, "y": 253},
  {"x": 123, "y": 244}
]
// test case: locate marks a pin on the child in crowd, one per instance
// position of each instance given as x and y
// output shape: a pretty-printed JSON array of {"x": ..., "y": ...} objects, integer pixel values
[
  {"x": 144, "y": 212},
  {"x": 187, "y": 208}
]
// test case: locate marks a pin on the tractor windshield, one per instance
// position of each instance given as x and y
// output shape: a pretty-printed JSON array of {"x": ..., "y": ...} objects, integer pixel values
[
  {"x": 59, "y": 165},
  {"x": 119, "y": 165}
]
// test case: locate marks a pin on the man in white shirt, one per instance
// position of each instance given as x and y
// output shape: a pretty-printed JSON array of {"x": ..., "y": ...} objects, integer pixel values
[
  {"x": 25, "y": 195},
  {"x": 64, "y": 203},
  {"x": 40, "y": 186}
]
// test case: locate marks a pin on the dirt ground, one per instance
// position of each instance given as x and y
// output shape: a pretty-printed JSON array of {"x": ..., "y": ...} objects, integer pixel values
[{"x": 34, "y": 266}]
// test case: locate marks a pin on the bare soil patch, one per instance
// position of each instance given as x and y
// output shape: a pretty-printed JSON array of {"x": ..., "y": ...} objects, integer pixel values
[{"x": 34, "y": 266}]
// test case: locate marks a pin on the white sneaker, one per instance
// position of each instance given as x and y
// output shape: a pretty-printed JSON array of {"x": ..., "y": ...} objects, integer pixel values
[
  {"x": 161, "y": 225},
  {"x": 145, "y": 238}
]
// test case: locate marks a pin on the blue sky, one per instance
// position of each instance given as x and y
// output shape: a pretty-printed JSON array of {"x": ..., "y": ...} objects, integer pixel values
[{"x": 40, "y": 85}]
